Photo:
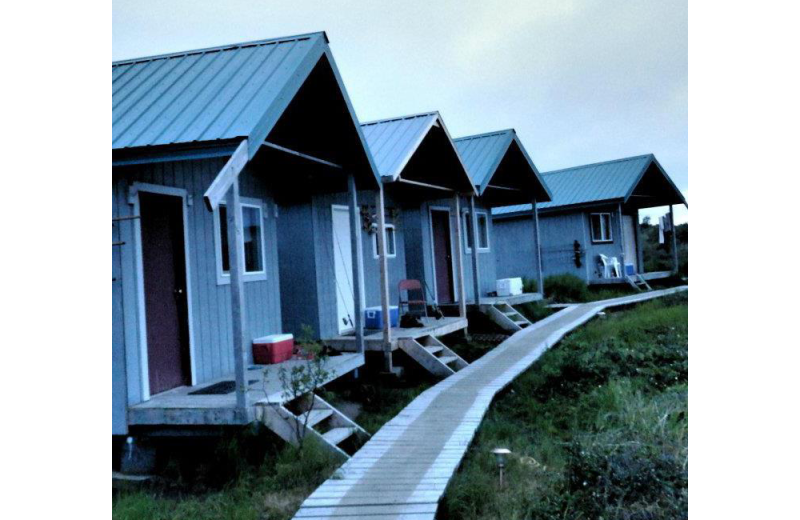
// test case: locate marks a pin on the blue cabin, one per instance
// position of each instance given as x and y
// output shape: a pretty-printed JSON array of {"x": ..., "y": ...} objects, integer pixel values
[
  {"x": 217, "y": 153},
  {"x": 503, "y": 174},
  {"x": 590, "y": 228}
]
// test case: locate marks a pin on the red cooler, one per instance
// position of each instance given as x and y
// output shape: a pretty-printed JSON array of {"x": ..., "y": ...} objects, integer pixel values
[{"x": 276, "y": 348}]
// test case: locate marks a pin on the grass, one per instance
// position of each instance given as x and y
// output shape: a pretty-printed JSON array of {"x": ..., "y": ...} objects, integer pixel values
[{"x": 598, "y": 427}]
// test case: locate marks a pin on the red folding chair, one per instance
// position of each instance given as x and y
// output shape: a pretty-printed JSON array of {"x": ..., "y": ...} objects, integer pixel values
[{"x": 414, "y": 303}]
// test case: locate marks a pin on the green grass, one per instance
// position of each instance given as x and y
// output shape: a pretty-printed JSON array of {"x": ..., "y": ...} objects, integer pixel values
[{"x": 598, "y": 427}]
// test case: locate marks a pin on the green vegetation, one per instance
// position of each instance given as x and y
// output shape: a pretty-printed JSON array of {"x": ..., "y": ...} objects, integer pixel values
[
  {"x": 598, "y": 427},
  {"x": 658, "y": 257},
  {"x": 534, "y": 311},
  {"x": 529, "y": 285},
  {"x": 565, "y": 288}
]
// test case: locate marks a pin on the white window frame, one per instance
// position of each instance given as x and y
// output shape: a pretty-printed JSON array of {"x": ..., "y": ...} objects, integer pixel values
[
  {"x": 609, "y": 231},
  {"x": 394, "y": 242},
  {"x": 467, "y": 234},
  {"x": 224, "y": 278}
]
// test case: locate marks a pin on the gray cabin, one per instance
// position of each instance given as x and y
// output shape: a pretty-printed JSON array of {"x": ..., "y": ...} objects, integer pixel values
[
  {"x": 503, "y": 174},
  {"x": 591, "y": 221},
  {"x": 211, "y": 148}
]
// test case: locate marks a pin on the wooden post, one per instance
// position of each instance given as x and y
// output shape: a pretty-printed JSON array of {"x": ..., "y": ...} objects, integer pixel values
[
  {"x": 622, "y": 239},
  {"x": 538, "y": 245},
  {"x": 462, "y": 300},
  {"x": 639, "y": 248},
  {"x": 476, "y": 277},
  {"x": 387, "y": 330},
  {"x": 674, "y": 240},
  {"x": 358, "y": 261},
  {"x": 236, "y": 264}
]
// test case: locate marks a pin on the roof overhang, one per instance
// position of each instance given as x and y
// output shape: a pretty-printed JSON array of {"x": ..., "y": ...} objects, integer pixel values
[
  {"x": 514, "y": 178},
  {"x": 653, "y": 188}
]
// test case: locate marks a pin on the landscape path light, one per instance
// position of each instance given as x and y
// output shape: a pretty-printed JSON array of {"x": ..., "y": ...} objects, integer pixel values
[{"x": 500, "y": 455}]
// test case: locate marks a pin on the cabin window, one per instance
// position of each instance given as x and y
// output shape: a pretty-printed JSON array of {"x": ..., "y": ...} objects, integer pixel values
[
  {"x": 601, "y": 227},
  {"x": 251, "y": 246},
  {"x": 483, "y": 231},
  {"x": 391, "y": 242}
]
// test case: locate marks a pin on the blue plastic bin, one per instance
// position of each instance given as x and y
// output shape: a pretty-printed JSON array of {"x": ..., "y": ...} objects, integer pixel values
[{"x": 373, "y": 317}]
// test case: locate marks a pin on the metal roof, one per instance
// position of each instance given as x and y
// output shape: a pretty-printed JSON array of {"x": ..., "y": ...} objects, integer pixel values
[
  {"x": 392, "y": 142},
  {"x": 483, "y": 153},
  {"x": 594, "y": 183},
  {"x": 209, "y": 94}
]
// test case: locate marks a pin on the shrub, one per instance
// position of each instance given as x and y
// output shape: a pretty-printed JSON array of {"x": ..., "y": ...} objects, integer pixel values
[
  {"x": 566, "y": 288},
  {"x": 529, "y": 285}
]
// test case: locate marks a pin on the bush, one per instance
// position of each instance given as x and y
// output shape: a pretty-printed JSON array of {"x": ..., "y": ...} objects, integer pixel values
[
  {"x": 529, "y": 285},
  {"x": 566, "y": 288}
]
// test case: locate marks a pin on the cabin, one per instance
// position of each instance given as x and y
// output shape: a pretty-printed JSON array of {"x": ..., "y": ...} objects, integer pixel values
[
  {"x": 419, "y": 168},
  {"x": 213, "y": 151},
  {"x": 593, "y": 221},
  {"x": 503, "y": 174}
]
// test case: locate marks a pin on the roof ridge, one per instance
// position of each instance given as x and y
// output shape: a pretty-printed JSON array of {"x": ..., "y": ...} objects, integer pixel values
[
  {"x": 600, "y": 163},
  {"x": 485, "y": 134},
  {"x": 230, "y": 46},
  {"x": 401, "y": 118}
]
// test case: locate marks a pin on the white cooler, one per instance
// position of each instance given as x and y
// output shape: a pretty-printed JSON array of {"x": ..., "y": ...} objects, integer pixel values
[{"x": 509, "y": 286}]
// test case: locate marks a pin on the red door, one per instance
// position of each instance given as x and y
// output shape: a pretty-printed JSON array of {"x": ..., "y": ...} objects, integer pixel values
[
  {"x": 442, "y": 257},
  {"x": 163, "y": 260}
]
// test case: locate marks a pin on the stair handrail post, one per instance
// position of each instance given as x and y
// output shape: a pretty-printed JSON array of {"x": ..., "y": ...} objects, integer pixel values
[
  {"x": 476, "y": 277},
  {"x": 384, "y": 280},
  {"x": 236, "y": 269},
  {"x": 358, "y": 261},
  {"x": 462, "y": 298}
]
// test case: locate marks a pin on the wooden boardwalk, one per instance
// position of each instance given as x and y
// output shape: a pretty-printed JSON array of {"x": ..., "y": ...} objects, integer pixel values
[{"x": 403, "y": 470}]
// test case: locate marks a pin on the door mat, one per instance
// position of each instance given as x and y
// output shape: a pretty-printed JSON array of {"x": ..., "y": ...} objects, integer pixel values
[{"x": 221, "y": 388}]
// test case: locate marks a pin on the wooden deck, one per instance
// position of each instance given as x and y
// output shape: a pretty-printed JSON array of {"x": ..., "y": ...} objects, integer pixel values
[
  {"x": 403, "y": 471},
  {"x": 373, "y": 340},
  {"x": 177, "y": 407},
  {"x": 511, "y": 300},
  {"x": 655, "y": 275}
]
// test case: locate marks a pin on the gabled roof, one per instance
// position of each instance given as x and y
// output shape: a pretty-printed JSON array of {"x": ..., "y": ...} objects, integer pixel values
[
  {"x": 484, "y": 153},
  {"x": 601, "y": 183},
  {"x": 393, "y": 143}
]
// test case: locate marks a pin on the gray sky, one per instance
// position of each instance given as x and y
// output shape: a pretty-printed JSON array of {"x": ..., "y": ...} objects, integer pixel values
[{"x": 580, "y": 81}]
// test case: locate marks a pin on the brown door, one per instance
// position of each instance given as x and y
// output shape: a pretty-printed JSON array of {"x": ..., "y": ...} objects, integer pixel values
[
  {"x": 442, "y": 256},
  {"x": 163, "y": 260}
]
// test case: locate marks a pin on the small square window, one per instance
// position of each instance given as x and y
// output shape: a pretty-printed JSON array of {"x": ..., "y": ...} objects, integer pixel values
[
  {"x": 483, "y": 231},
  {"x": 251, "y": 247},
  {"x": 391, "y": 242},
  {"x": 601, "y": 227}
]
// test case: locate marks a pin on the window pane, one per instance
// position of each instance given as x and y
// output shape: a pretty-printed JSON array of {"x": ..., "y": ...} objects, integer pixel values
[
  {"x": 483, "y": 231},
  {"x": 223, "y": 238},
  {"x": 606, "y": 226},
  {"x": 597, "y": 230},
  {"x": 390, "y": 245},
  {"x": 252, "y": 229},
  {"x": 468, "y": 229}
]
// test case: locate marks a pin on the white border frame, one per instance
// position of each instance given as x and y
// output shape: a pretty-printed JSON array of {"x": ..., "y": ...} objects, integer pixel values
[
  {"x": 144, "y": 371},
  {"x": 449, "y": 211},
  {"x": 225, "y": 278},
  {"x": 610, "y": 229},
  {"x": 374, "y": 240},
  {"x": 346, "y": 208},
  {"x": 467, "y": 249}
]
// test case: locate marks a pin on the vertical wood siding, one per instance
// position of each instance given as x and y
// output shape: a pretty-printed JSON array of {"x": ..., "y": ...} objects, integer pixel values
[{"x": 211, "y": 320}]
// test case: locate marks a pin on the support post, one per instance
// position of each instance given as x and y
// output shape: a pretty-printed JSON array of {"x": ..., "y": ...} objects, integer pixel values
[
  {"x": 538, "y": 245},
  {"x": 621, "y": 239},
  {"x": 462, "y": 298},
  {"x": 476, "y": 277},
  {"x": 674, "y": 240},
  {"x": 358, "y": 261},
  {"x": 236, "y": 264},
  {"x": 387, "y": 331},
  {"x": 639, "y": 248}
]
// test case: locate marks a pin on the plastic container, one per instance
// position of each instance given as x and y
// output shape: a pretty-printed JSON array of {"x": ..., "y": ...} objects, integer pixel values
[
  {"x": 509, "y": 287},
  {"x": 269, "y": 350},
  {"x": 373, "y": 317}
]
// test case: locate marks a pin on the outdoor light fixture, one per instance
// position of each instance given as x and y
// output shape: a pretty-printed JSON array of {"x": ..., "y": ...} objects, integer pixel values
[
  {"x": 500, "y": 456},
  {"x": 602, "y": 315}
]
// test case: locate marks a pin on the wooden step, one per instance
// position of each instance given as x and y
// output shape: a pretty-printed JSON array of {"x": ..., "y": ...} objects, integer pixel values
[
  {"x": 337, "y": 435},
  {"x": 448, "y": 359},
  {"x": 316, "y": 416},
  {"x": 433, "y": 350}
]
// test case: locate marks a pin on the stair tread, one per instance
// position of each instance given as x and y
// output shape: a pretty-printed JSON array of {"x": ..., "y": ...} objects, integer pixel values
[
  {"x": 447, "y": 359},
  {"x": 337, "y": 435},
  {"x": 433, "y": 350},
  {"x": 317, "y": 415}
]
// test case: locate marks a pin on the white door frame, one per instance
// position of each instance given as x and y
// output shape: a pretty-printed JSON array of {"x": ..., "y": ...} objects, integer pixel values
[
  {"x": 431, "y": 209},
  {"x": 345, "y": 209},
  {"x": 157, "y": 189}
]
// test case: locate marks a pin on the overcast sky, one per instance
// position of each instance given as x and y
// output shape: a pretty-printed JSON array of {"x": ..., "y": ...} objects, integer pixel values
[{"x": 580, "y": 81}]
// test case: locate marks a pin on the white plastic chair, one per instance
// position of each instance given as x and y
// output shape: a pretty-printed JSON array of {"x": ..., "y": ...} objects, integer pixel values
[{"x": 610, "y": 265}]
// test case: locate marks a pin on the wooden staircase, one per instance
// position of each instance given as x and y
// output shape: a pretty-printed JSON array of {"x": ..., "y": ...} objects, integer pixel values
[
  {"x": 433, "y": 355},
  {"x": 638, "y": 282},
  {"x": 330, "y": 427},
  {"x": 506, "y": 316}
]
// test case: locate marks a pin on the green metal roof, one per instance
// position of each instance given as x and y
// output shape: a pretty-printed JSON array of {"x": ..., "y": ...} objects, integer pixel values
[{"x": 604, "y": 182}]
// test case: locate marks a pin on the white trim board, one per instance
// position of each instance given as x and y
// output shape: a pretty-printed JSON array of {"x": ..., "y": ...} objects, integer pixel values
[{"x": 133, "y": 195}]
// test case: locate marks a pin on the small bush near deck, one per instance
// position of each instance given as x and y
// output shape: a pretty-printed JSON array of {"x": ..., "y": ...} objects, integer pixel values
[
  {"x": 598, "y": 427},
  {"x": 566, "y": 288},
  {"x": 529, "y": 285}
]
